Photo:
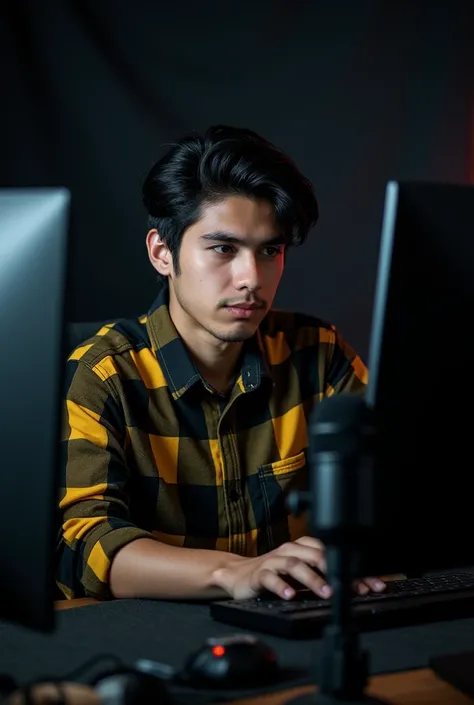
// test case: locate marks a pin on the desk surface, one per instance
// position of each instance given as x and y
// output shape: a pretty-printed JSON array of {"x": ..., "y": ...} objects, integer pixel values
[{"x": 417, "y": 687}]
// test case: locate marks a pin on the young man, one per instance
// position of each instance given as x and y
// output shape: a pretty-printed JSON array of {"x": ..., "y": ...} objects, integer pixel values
[{"x": 185, "y": 427}]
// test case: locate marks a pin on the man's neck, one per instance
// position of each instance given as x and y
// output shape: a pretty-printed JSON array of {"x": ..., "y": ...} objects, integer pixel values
[{"x": 216, "y": 360}]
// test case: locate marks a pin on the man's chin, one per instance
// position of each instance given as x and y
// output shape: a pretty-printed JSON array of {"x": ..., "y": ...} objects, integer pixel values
[{"x": 236, "y": 334}]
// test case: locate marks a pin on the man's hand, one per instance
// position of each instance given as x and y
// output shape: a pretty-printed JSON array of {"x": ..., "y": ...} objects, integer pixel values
[{"x": 302, "y": 560}]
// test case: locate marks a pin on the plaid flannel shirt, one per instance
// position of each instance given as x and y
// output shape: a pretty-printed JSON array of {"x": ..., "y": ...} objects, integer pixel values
[{"x": 151, "y": 450}]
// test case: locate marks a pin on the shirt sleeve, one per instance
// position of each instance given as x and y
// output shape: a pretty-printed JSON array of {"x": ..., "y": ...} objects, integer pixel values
[
  {"x": 94, "y": 517},
  {"x": 345, "y": 371}
]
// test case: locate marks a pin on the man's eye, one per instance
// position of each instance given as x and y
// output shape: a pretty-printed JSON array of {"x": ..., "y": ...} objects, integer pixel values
[
  {"x": 271, "y": 251},
  {"x": 223, "y": 249}
]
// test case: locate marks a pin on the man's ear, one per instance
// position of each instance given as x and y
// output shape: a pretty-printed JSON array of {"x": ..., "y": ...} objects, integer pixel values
[{"x": 159, "y": 254}]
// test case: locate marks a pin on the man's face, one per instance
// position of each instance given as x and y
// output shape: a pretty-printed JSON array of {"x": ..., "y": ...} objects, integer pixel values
[{"x": 231, "y": 262}]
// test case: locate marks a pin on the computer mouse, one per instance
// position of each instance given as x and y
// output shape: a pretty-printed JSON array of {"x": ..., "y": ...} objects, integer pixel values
[{"x": 236, "y": 661}]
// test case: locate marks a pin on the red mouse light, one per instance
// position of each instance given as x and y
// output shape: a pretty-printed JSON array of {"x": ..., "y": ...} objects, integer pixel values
[{"x": 218, "y": 651}]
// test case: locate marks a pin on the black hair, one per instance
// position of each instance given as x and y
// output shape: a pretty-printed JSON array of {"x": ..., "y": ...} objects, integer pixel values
[{"x": 199, "y": 170}]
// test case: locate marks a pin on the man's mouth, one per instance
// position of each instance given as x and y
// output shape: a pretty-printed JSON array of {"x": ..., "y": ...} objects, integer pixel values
[{"x": 246, "y": 306}]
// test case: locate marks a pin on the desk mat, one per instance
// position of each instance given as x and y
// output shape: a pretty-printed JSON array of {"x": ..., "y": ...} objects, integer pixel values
[{"x": 168, "y": 632}]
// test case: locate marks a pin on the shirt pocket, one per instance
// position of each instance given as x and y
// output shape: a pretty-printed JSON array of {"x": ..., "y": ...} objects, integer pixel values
[{"x": 276, "y": 480}]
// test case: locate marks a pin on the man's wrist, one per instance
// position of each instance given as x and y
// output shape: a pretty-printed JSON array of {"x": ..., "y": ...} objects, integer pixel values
[{"x": 222, "y": 576}]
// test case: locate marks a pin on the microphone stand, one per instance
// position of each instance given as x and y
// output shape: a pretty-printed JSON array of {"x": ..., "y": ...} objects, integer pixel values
[{"x": 343, "y": 670}]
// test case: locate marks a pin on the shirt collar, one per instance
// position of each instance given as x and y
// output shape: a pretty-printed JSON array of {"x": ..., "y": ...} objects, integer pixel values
[{"x": 178, "y": 368}]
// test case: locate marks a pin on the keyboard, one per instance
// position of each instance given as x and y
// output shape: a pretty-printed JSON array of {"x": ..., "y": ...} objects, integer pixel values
[{"x": 403, "y": 602}]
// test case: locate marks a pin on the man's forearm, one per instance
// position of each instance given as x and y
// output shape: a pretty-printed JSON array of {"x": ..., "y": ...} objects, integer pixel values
[{"x": 151, "y": 569}]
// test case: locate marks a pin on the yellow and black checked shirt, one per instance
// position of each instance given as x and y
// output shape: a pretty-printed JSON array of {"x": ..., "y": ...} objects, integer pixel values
[{"x": 150, "y": 450}]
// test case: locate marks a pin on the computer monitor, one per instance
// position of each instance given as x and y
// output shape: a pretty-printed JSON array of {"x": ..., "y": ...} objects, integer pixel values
[
  {"x": 421, "y": 380},
  {"x": 33, "y": 263}
]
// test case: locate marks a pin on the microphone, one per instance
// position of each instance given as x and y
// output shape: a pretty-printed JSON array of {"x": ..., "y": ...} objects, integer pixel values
[
  {"x": 342, "y": 461},
  {"x": 341, "y": 455},
  {"x": 342, "y": 458}
]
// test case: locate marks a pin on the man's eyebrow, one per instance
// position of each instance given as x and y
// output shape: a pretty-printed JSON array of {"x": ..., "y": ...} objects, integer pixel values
[{"x": 230, "y": 238}]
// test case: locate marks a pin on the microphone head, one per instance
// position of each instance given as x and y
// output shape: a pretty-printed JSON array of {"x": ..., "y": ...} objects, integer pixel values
[
  {"x": 339, "y": 418},
  {"x": 347, "y": 410},
  {"x": 342, "y": 461}
]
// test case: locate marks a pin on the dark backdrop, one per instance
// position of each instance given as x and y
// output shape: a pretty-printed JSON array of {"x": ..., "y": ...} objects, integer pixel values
[{"x": 357, "y": 93}]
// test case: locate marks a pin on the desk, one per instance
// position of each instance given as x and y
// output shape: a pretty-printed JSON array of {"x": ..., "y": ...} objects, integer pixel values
[{"x": 416, "y": 687}]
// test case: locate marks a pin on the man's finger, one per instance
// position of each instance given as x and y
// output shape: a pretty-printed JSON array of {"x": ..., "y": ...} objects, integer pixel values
[
  {"x": 363, "y": 586},
  {"x": 375, "y": 584},
  {"x": 310, "y": 541},
  {"x": 271, "y": 581},
  {"x": 360, "y": 587},
  {"x": 311, "y": 554},
  {"x": 305, "y": 575}
]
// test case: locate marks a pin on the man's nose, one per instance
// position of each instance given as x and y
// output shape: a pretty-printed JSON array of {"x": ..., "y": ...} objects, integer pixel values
[{"x": 247, "y": 273}]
